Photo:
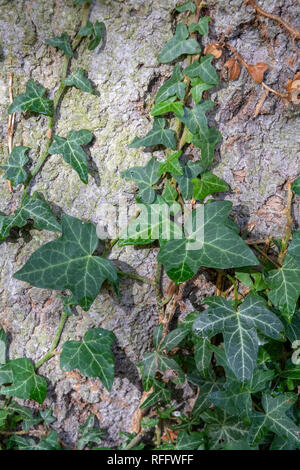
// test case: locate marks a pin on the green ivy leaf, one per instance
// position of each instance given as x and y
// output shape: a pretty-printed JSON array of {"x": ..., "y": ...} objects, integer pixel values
[
  {"x": 234, "y": 400},
  {"x": 79, "y": 80},
  {"x": 32, "y": 100},
  {"x": 198, "y": 88},
  {"x": 209, "y": 384},
  {"x": 72, "y": 152},
  {"x": 172, "y": 87},
  {"x": 15, "y": 172},
  {"x": 89, "y": 434},
  {"x": 190, "y": 441},
  {"x": 169, "y": 106},
  {"x": 221, "y": 247},
  {"x": 195, "y": 118},
  {"x": 275, "y": 419},
  {"x": 157, "y": 335},
  {"x": 169, "y": 194},
  {"x": 239, "y": 330},
  {"x": 208, "y": 184},
  {"x": 178, "y": 45},
  {"x": 294, "y": 247},
  {"x": 158, "y": 135},
  {"x": 202, "y": 355},
  {"x": 203, "y": 70},
  {"x": 293, "y": 328},
  {"x": 171, "y": 165},
  {"x": 95, "y": 30},
  {"x": 173, "y": 339},
  {"x": 223, "y": 428},
  {"x": 67, "y": 263},
  {"x": 32, "y": 208},
  {"x": 92, "y": 356},
  {"x": 61, "y": 42},
  {"x": 47, "y": 416},
  {"x": 145, "y": 177},
  {"x": 201, "y": 27},
  {"x": 2, "y": 346},
  {"x": 25, "y": 384},
  {"x": 149, "y": 369},
  {"x": 190, "y": 171},
  {"x": 207, "y": 144},
  {"x": 284, "y": 284},
  {"x": 291, "y": 371},
  {"x": 81, "y": 2},
  {"x": 187, "y": 6},
  {"x": 296, "y": 186},
  {"x": 160, "y": 394}
]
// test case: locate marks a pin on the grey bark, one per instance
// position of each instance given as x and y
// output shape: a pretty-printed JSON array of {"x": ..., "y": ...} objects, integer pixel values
[{"x": 256, "y": 157}]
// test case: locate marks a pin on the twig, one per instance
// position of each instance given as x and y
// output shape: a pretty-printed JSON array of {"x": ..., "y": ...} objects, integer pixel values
[
  {"x": 261, "y": 102},
  {"x": 267, "y": 256},
  {"x": 278, "y": 93},
  {"x": 219, "y": 284},
  {"x": 11, "y": 121},
  {"x": 51, "y": 351},
  {"x": 34, "y": 432},
  {"x": 137, "y": 277}
]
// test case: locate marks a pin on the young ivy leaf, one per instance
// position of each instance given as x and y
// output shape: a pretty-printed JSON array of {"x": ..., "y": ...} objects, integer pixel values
[
  {"x": 144, "y": 177},
  {"x": 187, "y": 6},
  {"x": 169, "y": 106},
  {"x": 172, "y": 87},
  {"x": 275, "y": 419},
  {"x": 284, "y": 285},
  {"x": 201, "y": 27},
  {"x": 95, "y": 30},
  {"x": 89, "y": 434},
  {"x": 32, "y": 208},
  {"x": 92, "y": 356},
  {"x": 179, "y": 45},
  {"x": 158, "y": 135},
  {"x": 32, "y": 100},
  {"x": 14, "y": 171},
  {"x": 195, "y": 118},
  {"x": 203, "y": 70},
  {"x": 207, "y": 144},
  {"x": 67, "y": 263},
  {"x": 71, "y": 151},
  {"x": 190, "y": 170},
  {"x": 25, "y": 383},
  {"x": 208, "y": 242},
  {"x": 239, "y": 330},
  {"x": 208, "y": 184},
  {"x": 296, "y": 186},
  {"x": 171, "y": 165},
  {"x": 61, "y": 42},
  {"x": 198, "y": 87},
  {"x": 79, "y": 80}
]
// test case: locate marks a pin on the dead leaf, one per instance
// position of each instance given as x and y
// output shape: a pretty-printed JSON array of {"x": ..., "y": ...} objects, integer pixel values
[
  {"x": 257, "y": 71},
  {"x": 213, "y": 48},
  {"x": 234, "y": 68},
  {"x": 293, "y": 89}
]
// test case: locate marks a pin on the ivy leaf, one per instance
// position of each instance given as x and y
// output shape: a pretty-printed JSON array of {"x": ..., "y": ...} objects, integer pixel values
[
  {"x": 203, "y": 70},
  {"x": 275, "y": 419},
  {"x": 198, "y": 88},
  {"x": 234, "y": 400},
  {"x": 25, "y": 384},
  {"x": 166, "y": 363},
  {"x": 292, "y": 328},
  {"x": 89, "y": 434},
  {"x": 160, "y": 394},
  {"x": 61, "y": 42},
  {"x": 173, "y": 339},
  {"x": 202, "y": 355},
  {"x": 47, "y": 416},
  {"x": 169, "y": 106},
  {"x": 207, "y": 144},
  {"x": 201, "y": 27},
  {"x": 208, "y": 184},
  {"x": 223, "y": 428},
  {"x": 72, "y": 152},
  {"x": 92, "y": 356},
  {"x": 32, "y": 100},
  {"x": 149, "y": 369},
  {"x": 158, "y": 135},
  {"x": 79, "y": 80},
  {"x": 211, "y": 244},
  {"x": 291, "y": 371},
  {"x": 294, "y": 247},
  {"x": 171, "y": 165},
  {"x": 190, "y": 171},
  {"x": 153, "y": 223},
  {"x": 15, "y": 172},
  {"x": 208, "y": 384},
  {"x": 32, "y": 208},
  {"x": 169, "y": 194},
  {"x": 172, "y": 87},
  {"x": 95, "y": 30},
  {"x": 296, "y": 186},
  {"x": 67, "y": 263},
  {"x": 284, "y": 284},
  {"x": 145, "y": 177},
  {"x": 178, "y": 45},
  {"x": 80, "y": 2},
  {"x": 239, "y": 330},
  {"x": 187, "y": 6},
  {"x": 157, "y": 335},
  {"x": 189, "y": 441},
  {"x": 2, "y": 346},
  {"x": 195, "y": 118}
]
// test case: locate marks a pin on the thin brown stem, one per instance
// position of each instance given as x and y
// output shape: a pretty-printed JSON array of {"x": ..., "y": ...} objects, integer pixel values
[{"x": 289, "y": 225}]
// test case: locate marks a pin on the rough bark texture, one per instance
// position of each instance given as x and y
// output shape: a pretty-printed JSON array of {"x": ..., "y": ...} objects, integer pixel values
[{"x": 256, "y": 157}]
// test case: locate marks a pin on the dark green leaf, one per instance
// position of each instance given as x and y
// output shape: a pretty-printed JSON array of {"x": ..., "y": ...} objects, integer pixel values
[
  {"x": 89, "y": 434},
  {"x": 169, "y": 106},
  {"x": 201, "y": 27},
  {"x": 172, "y": 87},
  {"x": 189, "y": 441},
  {"x": 195, "y": 118},
  {"x": 62, "y": 42},
  {"x": 173, "y": 339},
  {"x": 79, "y": 80},
  {"x": 202, "y": 354},
  {"x": 157, "y": 335},
  {"x": 145, "y": 177},
  {"x": 198, "y": 88},
  {"x": 14, "y": 171},
  {"x": 2, "y": 346},
  {"x": 208, "y": 184},
  {"x": 92, "y": 356},
  {"x": 32, "y": 208},
  {"x": 32, "y": 100},
  {"x": 207, "y": 144},
  {"x": 47, "y": 416},
  {"x": 296, "y": 186},
  {"x": 223, "y": 428},
  {"x": 67, "y": 263},
  {"x": 149, "y": 368},
  {"x": 72, "y": 152},
  {"x": 187, "y": 6},
  {"x": 95, "y": 30},
  {"x": 190, "y": 170},
  {"x": 158, "y": 135},
  {"x": 203, "y": 70},
  {"x": 178, "y": 45},
  {"x": 171, "y": 165}
]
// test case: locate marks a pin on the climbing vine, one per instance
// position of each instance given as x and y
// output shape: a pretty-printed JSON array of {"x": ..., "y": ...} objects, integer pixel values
[{"x": 238, "y": 356}]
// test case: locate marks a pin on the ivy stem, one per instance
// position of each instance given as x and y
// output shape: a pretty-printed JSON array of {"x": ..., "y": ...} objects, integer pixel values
[
  {"x": 289, "y": 225},
  {"x": 266, "y": 256},
  {"x": 51, "y": 351},
  {"x": 137, "y": 277},
  {"x": 236, "y": 292}
]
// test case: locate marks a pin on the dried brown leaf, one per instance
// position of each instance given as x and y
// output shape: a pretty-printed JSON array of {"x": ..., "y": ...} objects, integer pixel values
[
  {"x": 213, "y": 48},
  {"x": 234, "y": 68},
  {"x": 257, "y": 71}
]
